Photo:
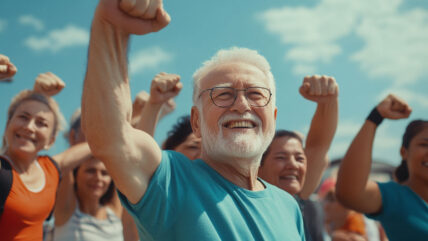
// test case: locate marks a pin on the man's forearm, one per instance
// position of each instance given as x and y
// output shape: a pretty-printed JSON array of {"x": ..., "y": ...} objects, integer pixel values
[{"x": 106, "y": 104}]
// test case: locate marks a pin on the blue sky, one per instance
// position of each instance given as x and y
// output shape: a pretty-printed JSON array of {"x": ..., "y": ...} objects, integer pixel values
[{"x": 371, "y": 47}]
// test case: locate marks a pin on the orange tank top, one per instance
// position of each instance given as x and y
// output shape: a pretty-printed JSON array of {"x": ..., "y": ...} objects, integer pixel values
[
  {"x": 25, "y": 211},
  {"x": 355, "y": 223}
]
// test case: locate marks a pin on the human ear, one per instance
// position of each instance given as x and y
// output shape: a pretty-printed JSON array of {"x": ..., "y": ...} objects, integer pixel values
[{"x": 195, "y": 121}]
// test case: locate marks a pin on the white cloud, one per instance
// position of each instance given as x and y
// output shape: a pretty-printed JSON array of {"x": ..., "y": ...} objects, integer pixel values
[
  {"x": 348, "y": 128},
  {"x": 58, "y": 39},
  {"x": 386, "y": 146},
  {"x": 314, "y": 53},
  {"x": 394, "y": 40},
  {"x": 304, "y": 69},
  {"x": 3, "y": 24},
  {"x": 345, "y": 133},
  {"x": 413, "y": 98},
  {"x": 339, "y": 148},
  {"x": 148, "y": 58},
  {"x": 32, "y": 21},
  {"x": 395, "y": 46}
]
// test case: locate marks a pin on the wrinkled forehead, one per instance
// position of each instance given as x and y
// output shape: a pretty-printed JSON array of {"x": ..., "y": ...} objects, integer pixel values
[{"x": 235, "y": 75}]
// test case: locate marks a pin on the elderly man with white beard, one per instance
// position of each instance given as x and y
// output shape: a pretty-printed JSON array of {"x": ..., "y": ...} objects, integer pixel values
[{"x": 217, "y": 197}]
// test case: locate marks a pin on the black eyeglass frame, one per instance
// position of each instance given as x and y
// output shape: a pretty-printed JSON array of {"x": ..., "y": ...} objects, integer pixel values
[{"x": 236, "y": 95}]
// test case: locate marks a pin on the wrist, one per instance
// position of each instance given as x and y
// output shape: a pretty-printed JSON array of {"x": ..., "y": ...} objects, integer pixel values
[{"x": 375, "y": 117}]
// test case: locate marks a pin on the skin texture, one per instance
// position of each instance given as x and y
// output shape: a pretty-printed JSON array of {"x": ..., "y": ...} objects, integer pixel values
[
  {"x": 353, "y": 188},
  {"x": 7, "y": 68},
  {"x": 48, "y": 84},
  {"x": 285, "y": 165},
  {"x": 29, "y": 130},
  {"x": 241, "y": 171},
  {"x": 130, "y": 155},
  {"x": 324, "y": 91},
  {"x": 160, "y": 102},
  {"x": 92, "y": 181},
  {"x": 191, "y": 147}
]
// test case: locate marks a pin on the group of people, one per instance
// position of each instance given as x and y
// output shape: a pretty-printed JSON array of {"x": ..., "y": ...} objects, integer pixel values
[{"x": 223, "y": 173}]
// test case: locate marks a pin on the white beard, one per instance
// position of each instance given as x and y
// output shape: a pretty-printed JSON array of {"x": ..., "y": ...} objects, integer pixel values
[{"x": 238, "y": 145}]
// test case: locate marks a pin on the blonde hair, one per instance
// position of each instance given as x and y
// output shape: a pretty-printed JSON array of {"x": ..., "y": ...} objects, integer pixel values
[
  {"x": 233, "y": 55},
  {"x": 28, "y": 95}
]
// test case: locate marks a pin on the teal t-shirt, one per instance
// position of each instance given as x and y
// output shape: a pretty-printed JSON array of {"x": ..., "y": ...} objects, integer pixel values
[
  {"x": 188, "y": 200},
  {"x": 404, "y": 214}
]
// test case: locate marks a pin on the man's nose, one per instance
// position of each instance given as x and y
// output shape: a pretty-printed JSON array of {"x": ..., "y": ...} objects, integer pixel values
[{"x": 241, "y": 104}]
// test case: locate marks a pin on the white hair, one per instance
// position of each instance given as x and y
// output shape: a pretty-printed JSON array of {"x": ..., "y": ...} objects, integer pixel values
[{"x": 233, "y": 55}]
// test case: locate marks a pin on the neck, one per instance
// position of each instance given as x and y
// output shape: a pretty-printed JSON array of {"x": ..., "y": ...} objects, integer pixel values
[
  {"x": 241, "y": 172},
  {"x": 92, "y": 207},
  {"x": 419, "y": 186},
  {"x": 21, "y": 163}
]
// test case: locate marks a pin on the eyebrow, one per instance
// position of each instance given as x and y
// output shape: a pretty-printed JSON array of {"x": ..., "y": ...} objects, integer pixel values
[
  {"x": 29, "y": 114},
  {"x": 287, "y": 153}
]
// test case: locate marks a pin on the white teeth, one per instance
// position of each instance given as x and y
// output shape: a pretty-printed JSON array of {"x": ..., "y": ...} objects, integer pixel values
[
  {"x": 25, "y": 137},
  {"x": 241, "y": 124},
  {"x": 290, "y": 177}
]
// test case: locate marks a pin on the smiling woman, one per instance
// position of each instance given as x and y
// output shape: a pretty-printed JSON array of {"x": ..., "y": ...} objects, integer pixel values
[{"x": 26, "y": 178}]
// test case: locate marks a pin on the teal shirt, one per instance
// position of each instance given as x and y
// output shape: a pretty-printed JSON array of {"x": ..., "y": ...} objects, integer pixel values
[
  {"x": 188, "y": 200},
  {"x": 404, "y": 214}
]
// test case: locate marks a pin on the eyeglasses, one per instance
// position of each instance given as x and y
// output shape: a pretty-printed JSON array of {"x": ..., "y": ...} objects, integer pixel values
[{"x": 226, "y": 96}]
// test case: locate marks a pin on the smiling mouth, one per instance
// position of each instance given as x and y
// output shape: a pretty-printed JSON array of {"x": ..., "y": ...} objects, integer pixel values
[
  {"x": 25, "y": 138},
  {"x": 241, "y": 124},
  {"x": 288, "y": 177}
]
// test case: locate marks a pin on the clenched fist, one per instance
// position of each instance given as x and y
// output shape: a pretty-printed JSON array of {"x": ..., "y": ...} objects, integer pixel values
[
  {"x": 48, "y": 84},
  {"x": 7, "y": 69},
  {"x": 394, "y": 108},
  {"x": 133, "y": 16},
  {"x": 319, "y": 89},
  {"x": 164, "y": 87}
]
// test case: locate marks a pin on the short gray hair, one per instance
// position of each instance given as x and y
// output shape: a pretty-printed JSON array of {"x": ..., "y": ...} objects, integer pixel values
[{"x": 233, "y": 55}]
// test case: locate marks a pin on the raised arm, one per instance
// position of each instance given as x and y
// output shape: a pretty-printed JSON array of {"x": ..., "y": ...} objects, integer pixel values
[
  {"x": 131, "y": 156},
  {"x": 7, "y": 68},
  {"x": 324, "y": 91},
  {"x": 163, "y": 89},
  {"x": 353, "y": 188},
  {"x": 66, "y": 199}
]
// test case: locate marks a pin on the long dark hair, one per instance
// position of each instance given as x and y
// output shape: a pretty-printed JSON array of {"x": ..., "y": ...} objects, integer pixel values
[
  {"x": 279, "y": 134},
  {"x": 412, "y": 129},
  {"x": 106, "y": 198}
]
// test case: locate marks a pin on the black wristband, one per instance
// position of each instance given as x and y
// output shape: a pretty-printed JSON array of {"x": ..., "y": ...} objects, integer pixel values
[{"x": 375, "y": 117}]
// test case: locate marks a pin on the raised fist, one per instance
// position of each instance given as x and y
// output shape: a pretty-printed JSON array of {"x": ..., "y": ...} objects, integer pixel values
[
  {"x": 138, "y": 105},
  {"x": 394, "y": 108},
  {"x": 164, "y": 87},
  {"x": 48, "y": 84},
  {"x": 133, "y": 16},
  {"x": 145, "y": 9},
  {"x": 167, "y": 108},
  {"x": 7, "y": 69},
  {"x": 319, "y": 89}
]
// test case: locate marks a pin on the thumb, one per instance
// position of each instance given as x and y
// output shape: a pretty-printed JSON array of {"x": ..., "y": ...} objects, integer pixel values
[
  {"x": 178, "y": 87},
  {"x": 304, "y": 88}
]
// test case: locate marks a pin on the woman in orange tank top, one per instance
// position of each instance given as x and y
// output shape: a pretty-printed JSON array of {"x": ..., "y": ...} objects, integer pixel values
[{"x": 34, "y": 120}]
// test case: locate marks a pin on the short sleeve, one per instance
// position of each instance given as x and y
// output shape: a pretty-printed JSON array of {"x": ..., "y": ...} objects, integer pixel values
[{"x": 157, "y": 210}]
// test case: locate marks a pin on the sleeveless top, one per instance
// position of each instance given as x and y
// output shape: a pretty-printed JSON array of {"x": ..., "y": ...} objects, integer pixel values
[
  {"x": 84, "y": 227},
  {"x": 24, "y": 209}
]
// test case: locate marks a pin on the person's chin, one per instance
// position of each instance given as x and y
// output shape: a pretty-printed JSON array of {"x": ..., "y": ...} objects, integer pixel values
[{"x": 291, "y": 188}]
